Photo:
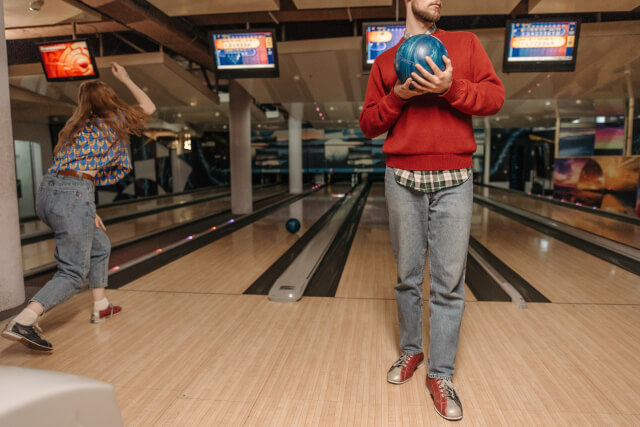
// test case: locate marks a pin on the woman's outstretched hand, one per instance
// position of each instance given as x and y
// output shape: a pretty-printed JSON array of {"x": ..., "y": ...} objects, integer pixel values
[{"x": 119, "y": 72}]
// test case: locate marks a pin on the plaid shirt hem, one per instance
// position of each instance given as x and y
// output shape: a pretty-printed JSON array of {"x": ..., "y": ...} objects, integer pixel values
[{"x": 431, "y": 181}]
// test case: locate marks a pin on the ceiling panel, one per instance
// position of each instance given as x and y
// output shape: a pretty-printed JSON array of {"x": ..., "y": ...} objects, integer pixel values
[
  {"x": 320, "y": 70},
  {"x": 17, "y": 14},
  {"x": 570, "y": 6},
  {"x": 179, "y": 96},
  {"x": 190, "y": 7},
  {"x": 326, "y": 4}
]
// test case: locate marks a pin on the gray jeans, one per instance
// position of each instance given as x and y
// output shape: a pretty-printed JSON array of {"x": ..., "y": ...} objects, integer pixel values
[
  {"x": 441, "y": 222},
  {"x": 67, "y": 205}
]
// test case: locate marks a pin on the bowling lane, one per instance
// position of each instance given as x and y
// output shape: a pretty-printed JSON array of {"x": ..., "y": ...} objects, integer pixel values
[
  {"x": 115, "y": 210},
  {"x": 40, "y": 253},
  {"x": 370, "y": 271},
  {"x": 563, "y": 273},
  {"x": 610, "y": 228},
  {"x": 177, "y": 372},
  {"x": 231, "y": 264}
]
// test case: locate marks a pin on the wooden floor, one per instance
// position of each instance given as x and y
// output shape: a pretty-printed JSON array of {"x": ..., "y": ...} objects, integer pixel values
[
  {"x": 611, "y": 228},
  {"x": 40, "y": 253},
  {"x": 116, "y": 209},
  {"x": 563, "y": 273},
  {"x": 190, "y": 350}
]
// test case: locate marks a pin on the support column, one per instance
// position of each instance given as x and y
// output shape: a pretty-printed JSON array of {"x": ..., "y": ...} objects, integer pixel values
[
  {"x": 628, "y": 148},
  {"x": 240, "y": 149},
  {"x": 295, "y": 147},
  {"x": 11, "y": 281}
]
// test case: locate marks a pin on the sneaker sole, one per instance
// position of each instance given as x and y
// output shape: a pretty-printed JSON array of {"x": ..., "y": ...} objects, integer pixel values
[
  {"x": 102, "y": 319},
  {"x": 438, "y": 412},
  {"x": 27, "y": 343},
  {"x": 408, "y": 379}
]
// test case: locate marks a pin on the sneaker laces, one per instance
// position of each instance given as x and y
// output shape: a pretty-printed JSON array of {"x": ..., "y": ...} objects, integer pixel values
[
  {"x": 447, "y": 388},
  {"x": 38, "y": 329},
  {"x": 402, "y": 361}
]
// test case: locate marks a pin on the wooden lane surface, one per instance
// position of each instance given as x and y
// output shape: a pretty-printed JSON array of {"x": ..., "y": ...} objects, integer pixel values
[
  {"x": 143, "y": 205},
  {"x": 610, "y": 228},
  {"x": 216, "y": 358},
  {"x": 181, "y": 359},
  {"x": 370, "y": 271},
  {"x": 563, "y": 273},
  {"x": 39, "y": 253},
  {"x": 231, "y": 264}
]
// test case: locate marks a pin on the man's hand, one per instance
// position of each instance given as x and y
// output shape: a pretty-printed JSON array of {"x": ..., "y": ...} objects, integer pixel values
[
  {"x": 98, "y": 222},
  {"x": 408, "y": 89},
  {"x": 438, "y": 82}
]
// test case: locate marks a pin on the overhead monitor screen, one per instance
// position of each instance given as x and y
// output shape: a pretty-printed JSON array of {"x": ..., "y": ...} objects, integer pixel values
[
  {"x": 67, "y": 60},
  {"x": 534, "y": 46},
  {"x": 379, "y": 37},
  {"x": 242, "y": 54}
]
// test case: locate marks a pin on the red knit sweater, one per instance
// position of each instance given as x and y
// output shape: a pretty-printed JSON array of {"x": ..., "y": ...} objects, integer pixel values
[{"x": 433, "y": 132}]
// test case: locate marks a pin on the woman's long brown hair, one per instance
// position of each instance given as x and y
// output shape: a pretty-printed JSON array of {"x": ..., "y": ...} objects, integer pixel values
[{"x": 97, "y": 100}]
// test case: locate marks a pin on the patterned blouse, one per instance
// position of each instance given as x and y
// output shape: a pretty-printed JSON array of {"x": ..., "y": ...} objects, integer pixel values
[{"x": 95, "y": 147}]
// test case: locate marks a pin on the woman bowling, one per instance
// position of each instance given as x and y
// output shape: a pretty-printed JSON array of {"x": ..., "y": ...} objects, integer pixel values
[{"x": 90, "y": 152}]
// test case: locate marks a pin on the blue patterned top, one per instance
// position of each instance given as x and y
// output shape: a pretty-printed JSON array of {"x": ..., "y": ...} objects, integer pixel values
[{"x": 95, "y": 147}]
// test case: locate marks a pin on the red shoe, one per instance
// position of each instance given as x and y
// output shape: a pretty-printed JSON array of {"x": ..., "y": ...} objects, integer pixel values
[
  {"x": 102, "y": 315},
  {"x": 445, "y": 399},
  {"x": 402, "y": 369}
]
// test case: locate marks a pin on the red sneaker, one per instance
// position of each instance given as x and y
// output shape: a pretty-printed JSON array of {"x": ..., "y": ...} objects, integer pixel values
[
  {"x": 102, "y": 315},
  {"x": 445, "y": 399},
  {"x": 402, "y": 369}
]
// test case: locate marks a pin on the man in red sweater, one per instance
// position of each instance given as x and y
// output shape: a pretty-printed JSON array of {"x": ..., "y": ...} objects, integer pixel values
[{"x": 429, "y": 189}]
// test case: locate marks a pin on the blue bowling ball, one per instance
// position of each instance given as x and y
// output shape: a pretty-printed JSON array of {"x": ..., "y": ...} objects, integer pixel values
[
  {"x": 293, "y": 225},
  {"x": 414, "y": 50}
]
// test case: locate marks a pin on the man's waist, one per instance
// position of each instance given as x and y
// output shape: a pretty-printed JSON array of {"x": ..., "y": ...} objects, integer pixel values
[{"x": 429, "y": 162}]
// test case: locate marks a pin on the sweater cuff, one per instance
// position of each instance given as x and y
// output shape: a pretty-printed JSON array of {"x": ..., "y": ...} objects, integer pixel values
[
  {"x": 453, "y": 92},
  {"x": 394, "y": 101}
]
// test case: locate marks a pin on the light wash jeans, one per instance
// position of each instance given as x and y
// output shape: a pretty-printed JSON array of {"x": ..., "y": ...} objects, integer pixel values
[
  {"x": 67, "y": 205},
  {"x": 441, "y": 222}
]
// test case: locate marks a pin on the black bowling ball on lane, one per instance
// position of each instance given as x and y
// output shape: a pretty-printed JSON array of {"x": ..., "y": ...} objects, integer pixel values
[{"x": 293, "y": 225}]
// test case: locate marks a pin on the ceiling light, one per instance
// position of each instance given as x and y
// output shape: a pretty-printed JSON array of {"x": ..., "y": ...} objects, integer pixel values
[
  {"x": 217, "y": 114},
  {"x": 548, "y": 103},
  {"x": 578, "y": 101},
  {"x": 296, "y": 77},
  {"x": 35, "y": 5}
]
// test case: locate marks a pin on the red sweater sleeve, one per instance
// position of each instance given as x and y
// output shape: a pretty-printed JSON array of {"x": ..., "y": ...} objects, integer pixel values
[
  {"x": 482, "y": 96},
  {"x": 382, "y": 106}
]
